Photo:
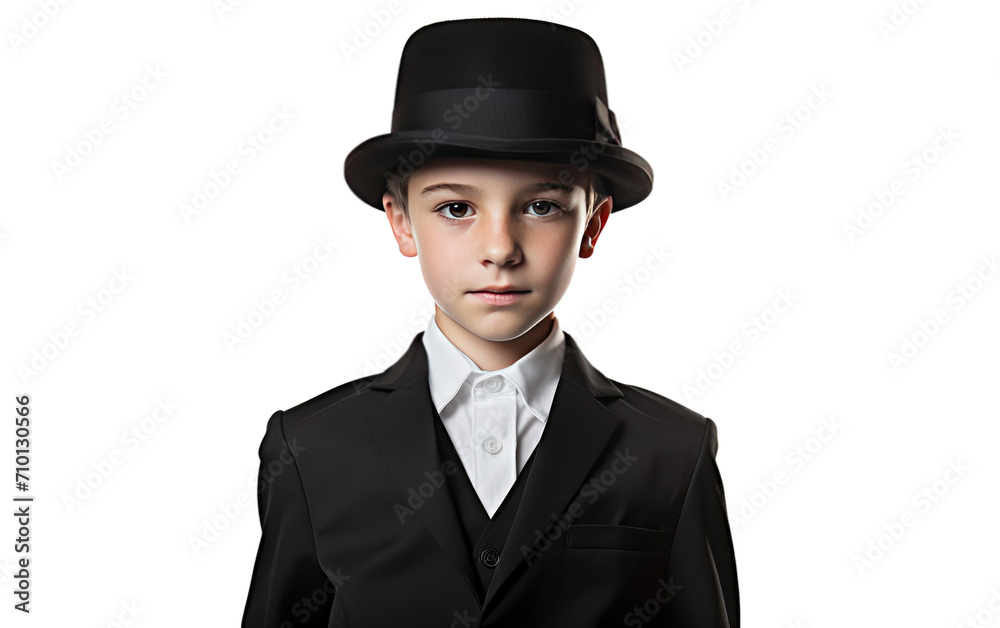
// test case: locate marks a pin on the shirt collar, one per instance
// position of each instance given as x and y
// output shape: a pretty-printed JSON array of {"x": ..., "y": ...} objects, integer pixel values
[{"x": 535, "y": 375}]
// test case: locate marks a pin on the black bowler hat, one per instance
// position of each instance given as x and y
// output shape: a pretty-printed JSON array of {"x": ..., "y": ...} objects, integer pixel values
[{"x": 508, "y": 88}]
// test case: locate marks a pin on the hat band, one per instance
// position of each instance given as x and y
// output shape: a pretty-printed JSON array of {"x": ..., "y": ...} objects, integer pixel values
[{"x": 507, "y": 114}]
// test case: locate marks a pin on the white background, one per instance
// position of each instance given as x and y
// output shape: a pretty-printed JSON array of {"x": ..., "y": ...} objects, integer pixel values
[{"x": 800, "y": 526}]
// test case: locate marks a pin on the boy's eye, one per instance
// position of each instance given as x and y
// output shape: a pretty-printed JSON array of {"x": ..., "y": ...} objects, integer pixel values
[
  {"x": 447, "y": 207},
  {"x": 539, "y": 208},
  {"x": 546, "y": 207}
]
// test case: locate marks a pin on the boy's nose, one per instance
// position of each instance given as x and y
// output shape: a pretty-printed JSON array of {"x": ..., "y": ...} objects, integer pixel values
[{"x": 499, "y": 242}]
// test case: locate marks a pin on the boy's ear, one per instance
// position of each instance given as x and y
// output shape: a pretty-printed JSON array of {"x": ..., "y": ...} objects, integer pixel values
[
  {"x": 400, "y": 225},
  {"x": 595, "y": 226}
]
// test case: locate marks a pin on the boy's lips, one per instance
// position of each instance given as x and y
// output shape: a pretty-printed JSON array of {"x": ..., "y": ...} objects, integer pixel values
[
  {"x": 499, "y": 289},
  {"x": 499, "y": 298}
]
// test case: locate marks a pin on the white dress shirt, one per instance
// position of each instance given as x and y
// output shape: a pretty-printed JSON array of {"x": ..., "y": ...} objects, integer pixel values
[{"x": 494, "y": 418}]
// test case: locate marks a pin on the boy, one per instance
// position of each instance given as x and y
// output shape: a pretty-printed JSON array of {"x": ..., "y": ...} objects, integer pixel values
[{"x": 492, "y": 476}]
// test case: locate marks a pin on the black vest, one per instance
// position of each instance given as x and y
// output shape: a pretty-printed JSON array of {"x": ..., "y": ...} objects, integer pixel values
[{"x": 484, "y": 537}]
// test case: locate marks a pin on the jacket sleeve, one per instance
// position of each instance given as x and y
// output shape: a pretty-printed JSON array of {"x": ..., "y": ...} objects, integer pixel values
[
  {"x": 702, "y": 562},
  {"x": 288, "y": 588}
]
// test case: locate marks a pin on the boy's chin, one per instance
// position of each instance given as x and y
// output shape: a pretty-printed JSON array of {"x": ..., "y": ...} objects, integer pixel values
[{"x": 498, "y": 329}]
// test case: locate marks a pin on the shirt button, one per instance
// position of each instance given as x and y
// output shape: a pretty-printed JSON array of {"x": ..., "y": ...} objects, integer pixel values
[
  {"x": 492, "y": 445},
  {"x": 493, "y": 384},
  {"x": 490, "y": 557}
]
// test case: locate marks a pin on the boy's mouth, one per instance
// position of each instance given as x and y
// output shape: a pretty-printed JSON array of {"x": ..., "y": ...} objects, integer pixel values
[
  {"x": 494, "y": 297},
  {"x": 499, "y": 290}
]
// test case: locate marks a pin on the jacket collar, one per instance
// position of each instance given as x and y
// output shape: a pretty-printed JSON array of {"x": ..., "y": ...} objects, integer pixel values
[{"x": 578, "y": 429}]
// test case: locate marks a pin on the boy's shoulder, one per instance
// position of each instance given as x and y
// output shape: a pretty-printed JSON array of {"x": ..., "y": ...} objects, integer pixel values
[
  {"x": 643, "y": 411},
  {"x": 644, "y": 396},
  {"x": 351, "y": 393},
  {"x": 660, "y": 411},
  {"x": 644, "y": 414}
]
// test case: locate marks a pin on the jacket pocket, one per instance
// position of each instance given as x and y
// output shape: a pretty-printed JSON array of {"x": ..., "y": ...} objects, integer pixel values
[{"x": 608, "y": 536}]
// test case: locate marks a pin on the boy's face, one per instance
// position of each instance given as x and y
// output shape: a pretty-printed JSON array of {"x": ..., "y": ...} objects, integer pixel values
[{"x": 505, "y": 229}]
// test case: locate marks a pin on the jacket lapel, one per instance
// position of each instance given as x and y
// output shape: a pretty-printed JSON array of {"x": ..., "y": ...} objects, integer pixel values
[
  {"x": 576, "y": 433},
  {"x": 403, "y": 428}
]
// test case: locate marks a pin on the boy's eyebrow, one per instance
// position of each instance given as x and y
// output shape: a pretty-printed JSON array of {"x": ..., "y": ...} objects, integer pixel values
[
  {"x": 550, "y": 185},
  {"x": 461, "y": 188}
]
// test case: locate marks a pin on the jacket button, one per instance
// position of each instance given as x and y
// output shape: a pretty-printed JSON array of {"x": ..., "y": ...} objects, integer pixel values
[{"x": 490, "y": 557}]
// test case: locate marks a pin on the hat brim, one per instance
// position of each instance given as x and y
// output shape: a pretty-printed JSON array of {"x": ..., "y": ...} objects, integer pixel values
[{"x": 628, "y": 177}]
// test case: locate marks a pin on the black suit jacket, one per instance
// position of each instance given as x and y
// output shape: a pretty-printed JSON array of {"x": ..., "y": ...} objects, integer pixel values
[{"x": 622, "y": 520}]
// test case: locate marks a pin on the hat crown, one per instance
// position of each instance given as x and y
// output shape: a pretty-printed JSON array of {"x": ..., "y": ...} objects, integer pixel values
[
  {"x": 509, "y": 78},
  {"x": 516, "y": 53},
  {"x": 504, "y": 88}
]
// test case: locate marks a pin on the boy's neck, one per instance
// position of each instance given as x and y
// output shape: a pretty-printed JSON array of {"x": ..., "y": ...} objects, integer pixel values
[{"x": 489, "y": 355}]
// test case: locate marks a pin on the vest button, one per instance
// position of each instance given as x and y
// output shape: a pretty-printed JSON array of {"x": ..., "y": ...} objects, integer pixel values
[{"x": 490, "y": 557}]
